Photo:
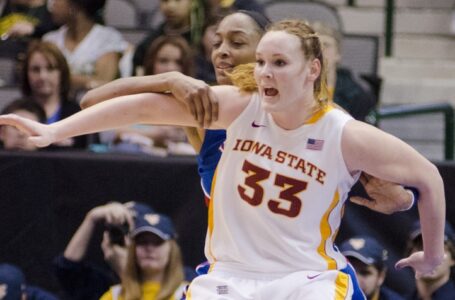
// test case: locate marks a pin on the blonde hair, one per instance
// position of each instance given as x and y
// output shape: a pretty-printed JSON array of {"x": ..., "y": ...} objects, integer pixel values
[
  {"x": 173, "y": 274},
  {"x": 243, "y": 75}
]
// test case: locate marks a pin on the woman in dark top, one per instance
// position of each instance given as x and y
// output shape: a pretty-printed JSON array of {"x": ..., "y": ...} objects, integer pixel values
[{"x": 46, "y": 81}]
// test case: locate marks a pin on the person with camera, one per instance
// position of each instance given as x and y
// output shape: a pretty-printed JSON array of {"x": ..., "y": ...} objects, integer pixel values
[
  {"x": 154, "y": 268},
  {"x": 82, "y": 280}
]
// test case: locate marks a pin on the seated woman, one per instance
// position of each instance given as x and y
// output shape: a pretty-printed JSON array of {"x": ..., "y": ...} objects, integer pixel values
[
  {"x": 46, "y": 81},
  {"x": 92, "y": 50},
  {"x": 165, "y": 54}
]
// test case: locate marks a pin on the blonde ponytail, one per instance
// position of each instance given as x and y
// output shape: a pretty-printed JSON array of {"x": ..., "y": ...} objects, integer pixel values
[{"x": 243, "y": 77}]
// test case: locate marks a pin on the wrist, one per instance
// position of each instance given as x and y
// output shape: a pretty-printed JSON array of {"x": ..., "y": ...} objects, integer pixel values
[
  {"x": 414, "y": 193},
  {"x": 412, "y": 201}
]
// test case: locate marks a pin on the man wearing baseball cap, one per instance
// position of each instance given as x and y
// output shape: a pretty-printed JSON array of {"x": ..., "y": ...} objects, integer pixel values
[
  {"x": 13, "y": 285},
  {"x": 438, "y": 285},
  {"x": 368, "y": 258}
]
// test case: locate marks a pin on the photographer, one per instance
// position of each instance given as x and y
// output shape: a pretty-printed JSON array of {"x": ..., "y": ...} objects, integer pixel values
[
  {"x": 154, "y": 268},
  {"x": 81, "y": 280}
]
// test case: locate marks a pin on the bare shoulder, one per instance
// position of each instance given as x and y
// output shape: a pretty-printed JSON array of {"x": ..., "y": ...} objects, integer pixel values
[{"x": 232, "y": 101}]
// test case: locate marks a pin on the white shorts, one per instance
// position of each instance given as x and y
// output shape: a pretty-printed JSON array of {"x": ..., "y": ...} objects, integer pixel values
[{"x": 304, "y": 285}]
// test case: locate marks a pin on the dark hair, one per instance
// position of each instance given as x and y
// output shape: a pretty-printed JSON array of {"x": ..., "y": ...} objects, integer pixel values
[
  {"x": 27, "y": 105},
  {"x": 261, "y": 20},
  {"x": 187, "y": 58},
  {"x": 55, "y": 58},
  {"x": 92, "y": 8}
]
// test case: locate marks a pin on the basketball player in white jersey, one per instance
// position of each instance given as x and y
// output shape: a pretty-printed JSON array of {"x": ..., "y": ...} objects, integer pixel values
[{"x": 288, "y": 162}]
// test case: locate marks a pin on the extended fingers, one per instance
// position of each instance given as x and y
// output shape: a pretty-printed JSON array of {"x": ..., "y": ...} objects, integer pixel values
[
  {"x": 363, "y": 201},
  {"x": 403, "y": 263}
]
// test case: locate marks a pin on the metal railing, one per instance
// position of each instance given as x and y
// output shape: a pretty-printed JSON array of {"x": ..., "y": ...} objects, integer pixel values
[
  {"x": 421, "y": 109},
  {"x": 388, "y": 30}
]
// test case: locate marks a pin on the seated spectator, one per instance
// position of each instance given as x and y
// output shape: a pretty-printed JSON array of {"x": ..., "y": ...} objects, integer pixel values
[
  {"x": 23, "y": 18},
  {"x": 165, "y": 54},
  {"x": 177, "y": 15},
  {"x": 46, "y": 81},
  {"x": 93, "y": 51},
  {"x": 369, "y": 258},
  {"x": 154, "y": 268},
  {"x": 205, "y": 70},
  {"x": 13, "y": 139},
  {"x": 82, "y": 280},
  {"x": 438, "y": 285},
  {"x": 13, "y": 286},
  {"x": 346, "y": 90}
]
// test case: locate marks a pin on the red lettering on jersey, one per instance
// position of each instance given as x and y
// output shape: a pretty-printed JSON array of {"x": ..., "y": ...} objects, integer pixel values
[
  {"x": 257, "y": 147},
  {"x": 267, "y": 152},
  {"x": 292, "y": 158},
  {"x": 321, "y": 176},
  {"x": 312, "y": 168},
  {"x": 237, "y": 143},
  {"x": 246, "y": 145},
  {"x": 280, "y": 156},
  {"x": 301, "y": 165}
]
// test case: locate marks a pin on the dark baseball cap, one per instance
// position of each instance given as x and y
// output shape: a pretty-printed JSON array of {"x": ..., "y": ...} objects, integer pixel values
[
  {"x": 14, "y": 279},
  {"x": 416, "y": 231},
  {"x": 156, "y": 223},
  {"x": 366, "y": 249}
]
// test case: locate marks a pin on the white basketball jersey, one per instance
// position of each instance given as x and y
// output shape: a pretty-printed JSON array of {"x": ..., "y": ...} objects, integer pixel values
[{"x": 278, "y": 195}]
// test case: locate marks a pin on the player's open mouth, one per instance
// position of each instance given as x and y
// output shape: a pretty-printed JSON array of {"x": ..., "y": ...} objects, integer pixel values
[{"x": 270, "y": 92}]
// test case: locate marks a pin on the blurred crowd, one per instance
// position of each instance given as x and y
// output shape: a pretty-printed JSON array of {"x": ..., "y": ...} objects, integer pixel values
[{"x": 62, "y": 48}]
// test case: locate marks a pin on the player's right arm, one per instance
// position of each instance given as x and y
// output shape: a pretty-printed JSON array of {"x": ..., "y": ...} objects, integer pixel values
[{"x": 149, "y": 108}]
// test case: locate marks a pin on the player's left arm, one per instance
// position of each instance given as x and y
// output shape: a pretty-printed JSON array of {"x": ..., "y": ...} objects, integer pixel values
[{"x": 366, "y": 148}]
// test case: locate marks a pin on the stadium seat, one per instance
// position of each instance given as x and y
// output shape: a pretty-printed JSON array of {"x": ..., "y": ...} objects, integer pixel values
[
  {"x": 312, "y": 11},
  {"x": 120, "y": 13}
]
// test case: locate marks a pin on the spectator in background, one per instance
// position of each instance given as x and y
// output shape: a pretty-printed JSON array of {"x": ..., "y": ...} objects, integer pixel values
[
  {"x": 13, "y": 286},
  {"x": 93, "y": 51},
  {"x": 82, "y": 280},
  {"x": 344, "y": 88},
  {"x": 177, "y": 16},
  {"x": 439, "y": 285},
  {"x": 13, "y": 139},
  {"x": 154, "y": 268},
  {"x": 369, "y": 259},
  {"x": 165, "y": 54},
  {"x": 46, "y": 81},
  {"x": 24, "y": 18},
  {"x": 169, "y": 53},
  {"x": 205, "y": 70}
]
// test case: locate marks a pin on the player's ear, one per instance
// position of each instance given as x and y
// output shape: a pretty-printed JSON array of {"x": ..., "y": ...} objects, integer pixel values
[{"x": 315, "y": 69}]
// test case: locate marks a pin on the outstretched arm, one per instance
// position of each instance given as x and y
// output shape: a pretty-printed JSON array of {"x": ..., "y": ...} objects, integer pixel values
[
  {"x": 113, "y": 213},
  {"x": 366, "y": 148},
  {"x": 151, "y": 108},
  {"x": 195, "y": 94}
]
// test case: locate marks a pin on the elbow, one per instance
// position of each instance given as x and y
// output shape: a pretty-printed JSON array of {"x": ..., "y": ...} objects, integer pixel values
[{"x": 431, "y": 183}]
